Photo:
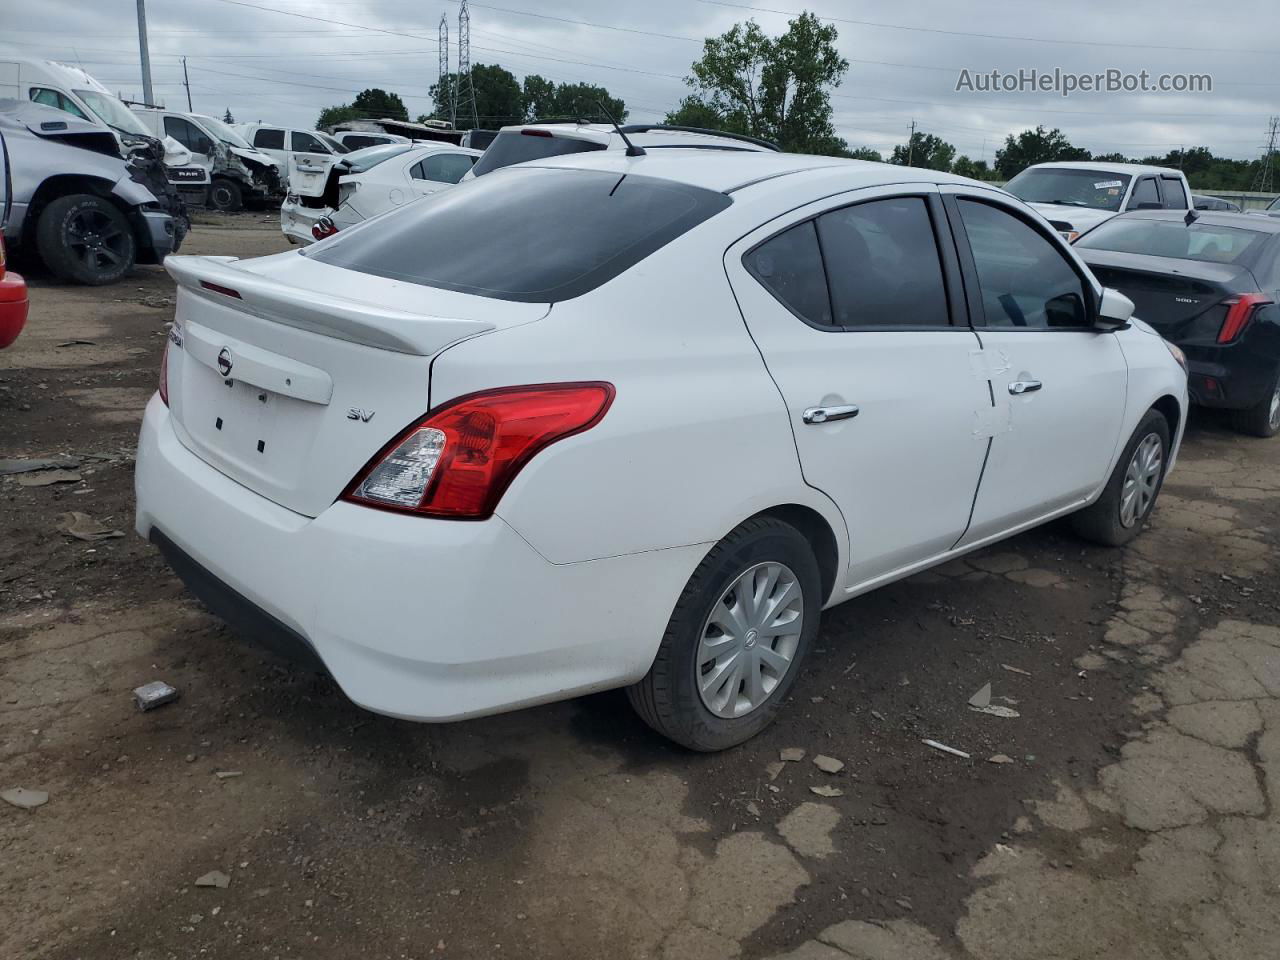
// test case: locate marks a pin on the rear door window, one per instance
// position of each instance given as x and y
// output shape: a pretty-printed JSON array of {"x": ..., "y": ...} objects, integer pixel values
[
  {"x": 519, "y": 146},
  {"x": 534, "y": 235},
  {"x": 789, "y": 265},
  {"x": 444, "y": 167},
  {"x": 1175, "y": 198},
  {"x": 1144, "y": 192},
  {"x": 268, "y": 139},
  {"x": 883, "y": 265}
]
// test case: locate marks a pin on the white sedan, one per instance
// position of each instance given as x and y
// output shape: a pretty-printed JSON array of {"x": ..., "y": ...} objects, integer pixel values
[
  {"x": 364, "y": 184},
  {"x": 634, "y": 421}
]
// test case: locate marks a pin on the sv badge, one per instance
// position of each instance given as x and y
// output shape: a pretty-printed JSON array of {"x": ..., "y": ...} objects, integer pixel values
[{"x": 364, "y": 416}]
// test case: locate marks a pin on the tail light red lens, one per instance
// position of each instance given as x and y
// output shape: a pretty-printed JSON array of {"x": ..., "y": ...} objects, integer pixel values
[
  {"x": 164, "y": 373},
  {"x": 459, "y": 460},
  {"x": 1239, "y": 310},
  {"x": 2, "y": 267}
]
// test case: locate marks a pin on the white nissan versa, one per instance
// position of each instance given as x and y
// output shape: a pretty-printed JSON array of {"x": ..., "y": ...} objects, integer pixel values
[{"x": 608, "y": 420}]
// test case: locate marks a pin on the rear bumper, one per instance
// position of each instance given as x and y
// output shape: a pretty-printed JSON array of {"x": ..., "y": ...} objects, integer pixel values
[
  {"x": 1233, "y": 376},
  {"x": 13, "y": 307},
  {"x": 296, "y": 221},
  {"x": 416, "y": 618}
]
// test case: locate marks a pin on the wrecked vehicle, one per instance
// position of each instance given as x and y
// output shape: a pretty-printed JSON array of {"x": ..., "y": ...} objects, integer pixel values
[
  {"x": 87, "y": 213},
  {"x": 238, "y": 173},
  {"x": 325, "y": 197},
  {"x": 72, "y": 90}
]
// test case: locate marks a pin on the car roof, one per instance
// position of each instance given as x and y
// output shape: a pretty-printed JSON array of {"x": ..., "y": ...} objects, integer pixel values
[
  {"x": 1216, "y": 218},
  {"x": 643, "y": 135},
  {"x": 1129, "y": 168},
  {"x": 728, "y": 171}
]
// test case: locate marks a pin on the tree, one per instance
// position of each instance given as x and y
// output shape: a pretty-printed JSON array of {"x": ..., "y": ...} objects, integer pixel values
[
  {"x": 539, "y": 95},
  {"x": 696, "y": 112},
  {"x": 924, "y": 150},
  {"x": 777, "y": 89},
  {"x": 1035, "y": 146},
  {"x": 499, "y": 99},
  {"x": 227, "y": 117},
  {"x": 973, "y": 169},
  {"x": 1111, "y": 158},
  {"x": 370, "y": 104},
  {"x": 865, "y": 153}
]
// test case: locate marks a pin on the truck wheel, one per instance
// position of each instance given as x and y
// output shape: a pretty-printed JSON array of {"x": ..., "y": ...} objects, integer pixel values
[
  {"x": 1263, "y": 418},
  {"x": 85, "y": 239},
  {"x": 225, "y": 195}
]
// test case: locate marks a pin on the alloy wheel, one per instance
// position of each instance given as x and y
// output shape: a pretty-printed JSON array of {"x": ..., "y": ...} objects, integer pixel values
[
  {"x": 1273, "y": 416},
  {"x": 96, "y": 240},
  {"x": 749, "y": 640},
  {"x": 1141, "y": 480}
]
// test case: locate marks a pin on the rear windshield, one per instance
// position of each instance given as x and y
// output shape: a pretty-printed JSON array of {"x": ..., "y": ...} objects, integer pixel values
[
  {"x": 517, "y": 146},
  {"x": 1070, "y": 187},
  {"x": 358, "y": 161},
  {"x": 1171, "y": 238},
  {"x": 536, "y": 235}
]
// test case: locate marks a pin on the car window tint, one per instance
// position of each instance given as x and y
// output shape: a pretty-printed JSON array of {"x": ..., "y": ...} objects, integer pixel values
[
  {"x": 534, "y": 235},
  {"x": 187, "y": 134},
  {"x": 790, "y": 267},
  {"x": 1024, "y": 279},
  {"x": 305, "y": 143},
  {"x": 517, "y": 146},
  {"x": 60, "y": 101},
  {"x": 269, "y": 139},
  {"x": 360, "y": 142},
  {"x": 882, "y": 264},
  {"x": 1175, "y": 198},
  {"x": 1144, "y": 192},
  {"x": 447, "y": 167},
  {"x": 1171, "y": 238}
]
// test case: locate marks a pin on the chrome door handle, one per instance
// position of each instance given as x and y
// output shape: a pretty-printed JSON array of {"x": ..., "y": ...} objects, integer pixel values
[
  {"x": 1019, "y": 387},
  {"x": 826, "y": 414}
]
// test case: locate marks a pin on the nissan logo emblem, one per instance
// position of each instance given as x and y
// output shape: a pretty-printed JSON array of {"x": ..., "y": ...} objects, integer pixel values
[{"x": 224, "y": 362}]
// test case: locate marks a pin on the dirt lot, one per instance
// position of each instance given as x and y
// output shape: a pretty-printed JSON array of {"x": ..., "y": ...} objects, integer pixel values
[{"x": 1139, "y": 817}]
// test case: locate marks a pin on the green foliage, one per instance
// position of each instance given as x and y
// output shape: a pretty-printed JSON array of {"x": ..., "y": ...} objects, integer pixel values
[
  {"x": 775, "y": 88},
  {"x": 370, "y": 104},
  {"x": 539, "y": 97},
  {"x": 501, "y": 100},
  {"x": 973, "y": 169},
  {"x": 924, "y": 150},
  {"x": 227, "y": 117},
  {"x": 1035, "y": 146},
  {"x": 864, "y": 153}
]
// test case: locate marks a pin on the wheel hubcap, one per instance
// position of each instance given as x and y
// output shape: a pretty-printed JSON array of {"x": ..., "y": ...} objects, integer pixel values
[
  {"x": 1141, "y": 480},
  {"x": 749, "y": 640},
  {"x": 1274, "y": 416}
]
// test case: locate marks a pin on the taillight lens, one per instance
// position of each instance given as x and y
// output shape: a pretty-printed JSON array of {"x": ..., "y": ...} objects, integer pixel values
[
  {"x": 458, "y": 460},
  {"x": 1, "y": 256},
  {"x": 1239, "y": 310},
  {"x": 164, "y": 373}
]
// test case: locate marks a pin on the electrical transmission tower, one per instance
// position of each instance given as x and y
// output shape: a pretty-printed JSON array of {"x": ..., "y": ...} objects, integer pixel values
[
  {"x": 464, "y": 103},
  {"x": 1263, "y": 182},
  {"x": 443, "y": 82}
]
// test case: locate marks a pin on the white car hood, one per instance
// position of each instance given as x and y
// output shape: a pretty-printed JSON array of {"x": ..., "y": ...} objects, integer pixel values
[{"x": 1082, "y": 219}]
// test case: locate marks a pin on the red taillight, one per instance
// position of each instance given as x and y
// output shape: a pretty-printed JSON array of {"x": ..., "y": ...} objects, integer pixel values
[
  {"x": 536, "y": 133},
  {"x": 1239, "y": 310},
  {"x": 458, "y": 460},
  {"x": 1, "y": 256},
  {"x": 219, "y": 288},
  {"x": 164, "y": 373},
  {"x": 322, "y": 228}
]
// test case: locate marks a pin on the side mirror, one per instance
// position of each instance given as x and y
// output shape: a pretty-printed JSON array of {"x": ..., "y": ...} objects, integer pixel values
[{"x": 1115, "y": 311}]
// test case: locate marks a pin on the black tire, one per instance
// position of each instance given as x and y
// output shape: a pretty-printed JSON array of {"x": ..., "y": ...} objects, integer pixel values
[
  {"x": 1101, "y": 521},
  {"x": 1263, "y": 418},
  {"x": 668, "y": 699},
  {"x": 85, "y": 239},
  {"x": 225, "y": 195}
]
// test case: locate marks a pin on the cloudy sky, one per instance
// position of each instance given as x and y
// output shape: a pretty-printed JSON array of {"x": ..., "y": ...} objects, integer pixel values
[{"x": 281, "y": 61}]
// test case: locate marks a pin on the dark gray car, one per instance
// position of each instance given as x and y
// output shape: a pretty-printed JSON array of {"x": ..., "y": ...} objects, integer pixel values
[{"x": 85, "y": 211}]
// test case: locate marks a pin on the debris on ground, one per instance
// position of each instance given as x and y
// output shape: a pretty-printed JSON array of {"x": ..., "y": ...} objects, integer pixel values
[
  {"x": 228, "y": 774},
  {"x": 791, "y": 754},
  {"x": 773, "y": 768},
  {"x": 84, "y": 527},
  {"x": 1000, "y": 758},
  {"x": 982, "y": 698},
  {"x": 154, "y": 694},
  {"x": 27, "y": 466},
  {"x": 1018, "y": 670},
  {"x": 828, "y": 764},
  {"x": 46, "y": 478},
  {"x": 945, "y": 749},
  {"x": 77, "y": 343},
  {"x": 995, "y": 710},
  {"x": 825, "y": 791},
  {"x": 214, "y": 878},
  {"x": 24, "y": 798}
]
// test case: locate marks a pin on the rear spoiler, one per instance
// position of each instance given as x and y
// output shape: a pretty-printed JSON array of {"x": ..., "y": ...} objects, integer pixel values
[{"x": 218, "y": 280}]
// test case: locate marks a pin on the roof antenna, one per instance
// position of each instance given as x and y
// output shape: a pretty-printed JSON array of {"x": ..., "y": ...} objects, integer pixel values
[{"x": 632, "y": 149}]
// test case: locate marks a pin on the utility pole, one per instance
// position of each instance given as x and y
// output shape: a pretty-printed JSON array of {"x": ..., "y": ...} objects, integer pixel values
[
  {"x": 911, "y": 139},
  {"x": 465, "y": 98},
  {"x": 147, "y": 95},
  {"x": 1263, "y": 182},
  {"x": 185, "y": 82},
  {"x": 443, "y": 85}
]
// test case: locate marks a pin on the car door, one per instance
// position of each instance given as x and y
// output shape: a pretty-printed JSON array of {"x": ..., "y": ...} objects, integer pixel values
[
  {"x": 1057, "y": 382},
  {"x": 856, "y": 309},
  {"x": 308, "y": 148},
  {"x": 1172, "y": 192},
  {"x": 271, "y": 141},
  {"x": 191, "y": 137},
  {"x": 439, "y": 170},
  {"x": 1145, "y": 196}
]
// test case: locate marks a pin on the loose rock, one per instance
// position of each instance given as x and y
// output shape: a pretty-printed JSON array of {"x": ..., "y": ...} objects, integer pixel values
[
  {"x": 791, "y": 754},
  {"x": 828, "y": 764},
  {"x": 24, "y": 798},
  {"x": 214, "y": 878}
]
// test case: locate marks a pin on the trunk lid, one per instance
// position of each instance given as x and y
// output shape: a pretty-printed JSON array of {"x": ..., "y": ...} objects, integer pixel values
[
  {"x": 282, "y": 380},
  {"x": 308, "y": 176},
  {"x": 1182, "y": 299}
]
